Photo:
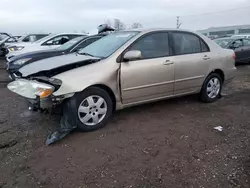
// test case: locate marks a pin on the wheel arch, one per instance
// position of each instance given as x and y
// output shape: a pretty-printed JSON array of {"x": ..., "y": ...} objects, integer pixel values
[
  {"x": 220, "y": 72},
  {"x": 108, "y": 90}
]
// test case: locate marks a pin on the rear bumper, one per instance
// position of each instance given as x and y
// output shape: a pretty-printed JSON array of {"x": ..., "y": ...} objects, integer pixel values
[{"x": 229, "y": 75}]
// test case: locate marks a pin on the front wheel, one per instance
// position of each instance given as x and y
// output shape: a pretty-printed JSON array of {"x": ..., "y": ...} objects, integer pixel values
[
  {"x": 211, "y": 88},
  {"x": 94, "y": 108}
]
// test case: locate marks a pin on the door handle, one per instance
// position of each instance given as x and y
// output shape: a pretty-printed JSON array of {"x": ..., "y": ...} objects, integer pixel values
[
  {"x": 206, "y": 57},
  {"x": 167, "y": 62}
]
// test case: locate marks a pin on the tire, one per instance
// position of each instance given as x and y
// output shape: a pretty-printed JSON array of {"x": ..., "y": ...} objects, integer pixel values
[
  {"x": 94, "y": 111},
  {"x": 210, "y": 84}
]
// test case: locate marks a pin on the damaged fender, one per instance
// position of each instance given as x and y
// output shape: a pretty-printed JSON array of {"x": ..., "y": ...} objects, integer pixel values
[{"x": 94, "y": 74}]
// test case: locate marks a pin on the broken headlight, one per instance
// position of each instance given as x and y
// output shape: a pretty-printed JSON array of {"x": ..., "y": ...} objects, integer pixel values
[{"x": 31, "y": 88}]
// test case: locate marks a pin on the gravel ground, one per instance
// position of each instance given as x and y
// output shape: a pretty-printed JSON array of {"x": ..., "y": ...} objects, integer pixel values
[{"x": 166, "y": 144}]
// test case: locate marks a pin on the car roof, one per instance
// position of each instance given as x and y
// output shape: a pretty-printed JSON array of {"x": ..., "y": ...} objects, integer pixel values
[
  {"x": 54, "y": 35},
  {"x": 242, "y": 35},
  {"x": 159, "y": 29},
  {"x": 226, "y": 38}
]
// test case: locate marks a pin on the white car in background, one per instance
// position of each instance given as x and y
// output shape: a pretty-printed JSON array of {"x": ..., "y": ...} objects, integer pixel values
[
  {"x": 11, "y": 41},
  {"x": 247, "y": 36},
  {"x": 49, "y": 42}
]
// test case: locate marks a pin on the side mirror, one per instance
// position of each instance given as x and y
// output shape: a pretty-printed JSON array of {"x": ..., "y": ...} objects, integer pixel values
[{"x": 132, "y": 55}]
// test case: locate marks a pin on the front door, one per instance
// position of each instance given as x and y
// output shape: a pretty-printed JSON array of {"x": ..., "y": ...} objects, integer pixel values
[{"x": 151, "y": 77}]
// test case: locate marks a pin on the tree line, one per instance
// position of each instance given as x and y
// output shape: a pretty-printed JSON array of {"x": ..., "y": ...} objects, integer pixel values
[{"x": 119, "y": 25}]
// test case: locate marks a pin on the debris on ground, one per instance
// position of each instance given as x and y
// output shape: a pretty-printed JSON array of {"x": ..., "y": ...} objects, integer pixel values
[
  {"x": 219, "y": 128},
  {"x": 67, "y": 123}
]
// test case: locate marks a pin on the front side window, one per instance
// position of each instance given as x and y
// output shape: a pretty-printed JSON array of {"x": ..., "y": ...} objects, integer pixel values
[
  {"x": 106, "y": 46},
  {"x": 185, "y": 43},
  {"x": 59, "y": 40},
  {"x": 204, "y": 47},
  {"x": 153, "y": 45}
]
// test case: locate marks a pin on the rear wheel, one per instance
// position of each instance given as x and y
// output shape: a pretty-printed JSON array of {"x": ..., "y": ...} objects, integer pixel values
[
  {"x": 211, "y": 88},
  {"x": 94, "y": 108}
]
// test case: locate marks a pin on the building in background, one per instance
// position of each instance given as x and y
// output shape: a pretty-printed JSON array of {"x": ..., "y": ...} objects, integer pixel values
[{"x": 214, "y": 32}]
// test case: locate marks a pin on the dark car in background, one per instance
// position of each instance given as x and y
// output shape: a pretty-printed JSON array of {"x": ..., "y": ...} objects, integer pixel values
[
  {"x": 241, "y": 47},
  {"x": 71, "y": 46}
]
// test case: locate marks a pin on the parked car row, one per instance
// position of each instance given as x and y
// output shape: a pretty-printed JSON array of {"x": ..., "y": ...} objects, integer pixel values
[
  {"x": 7, "y": 40},
  {"x": 48, "y": 42},
  {"x": 241, "y": 47},
  {"x": 16, "y": 62},
  {"x": 92, "y": 76}
]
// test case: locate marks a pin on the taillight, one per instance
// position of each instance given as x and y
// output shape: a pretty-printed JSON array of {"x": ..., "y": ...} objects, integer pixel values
[{"x": 234, "y": 56}]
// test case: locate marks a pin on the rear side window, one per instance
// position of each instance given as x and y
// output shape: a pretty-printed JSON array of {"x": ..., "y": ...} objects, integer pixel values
[
  {"x": 153, "y": 45},
  {"x": 204, "y": 47},
  {"x": 246, "y": 42},
  {"x": 74, "y": 36},
  {"x": 187, "y": 43}
]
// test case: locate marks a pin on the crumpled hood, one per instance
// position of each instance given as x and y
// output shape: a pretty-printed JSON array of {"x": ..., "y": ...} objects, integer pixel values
[{"x": 56, "y": 65}]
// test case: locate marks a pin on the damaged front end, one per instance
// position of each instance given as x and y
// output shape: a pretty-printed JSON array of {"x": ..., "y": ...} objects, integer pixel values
[{"x": 39, "y": 92}]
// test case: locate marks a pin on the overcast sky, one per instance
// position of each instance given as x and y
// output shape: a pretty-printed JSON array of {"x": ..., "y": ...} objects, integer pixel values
[{"x": 24, "y": 16}]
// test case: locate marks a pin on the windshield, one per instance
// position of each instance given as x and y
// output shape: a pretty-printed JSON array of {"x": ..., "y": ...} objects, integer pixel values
[
  {"x": 70, "y": 43},
  {"x": 108, "y": 45},
  {"x": 223, "y": 42}
]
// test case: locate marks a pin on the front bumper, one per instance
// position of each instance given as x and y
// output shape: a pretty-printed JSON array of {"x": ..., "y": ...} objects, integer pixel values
[{"x": 36, "y": 104}]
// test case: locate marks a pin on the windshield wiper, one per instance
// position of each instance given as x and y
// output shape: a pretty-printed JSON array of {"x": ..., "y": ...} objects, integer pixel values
[{"x": 84, "y": 53}]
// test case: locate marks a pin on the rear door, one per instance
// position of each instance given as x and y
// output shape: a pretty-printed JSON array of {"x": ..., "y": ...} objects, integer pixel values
[{"x": 191, "y": 62}]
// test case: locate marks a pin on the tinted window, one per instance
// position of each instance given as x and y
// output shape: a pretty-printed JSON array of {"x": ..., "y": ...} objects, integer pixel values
[
  {"x": 246, "y": 42},
  {"x": 204, "y": 47},
  {"x": 74, "y": 36},
  {"x": 26, "y": 39},
  {"x": 59, "y": 40},
  {"x": 153, "y": 45},
  {"x": 86, "y": 43},
  {"x": 238, "y": 43},
  {"x": 185, "y": 43},
  {"x": 38, "y": 37}
]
